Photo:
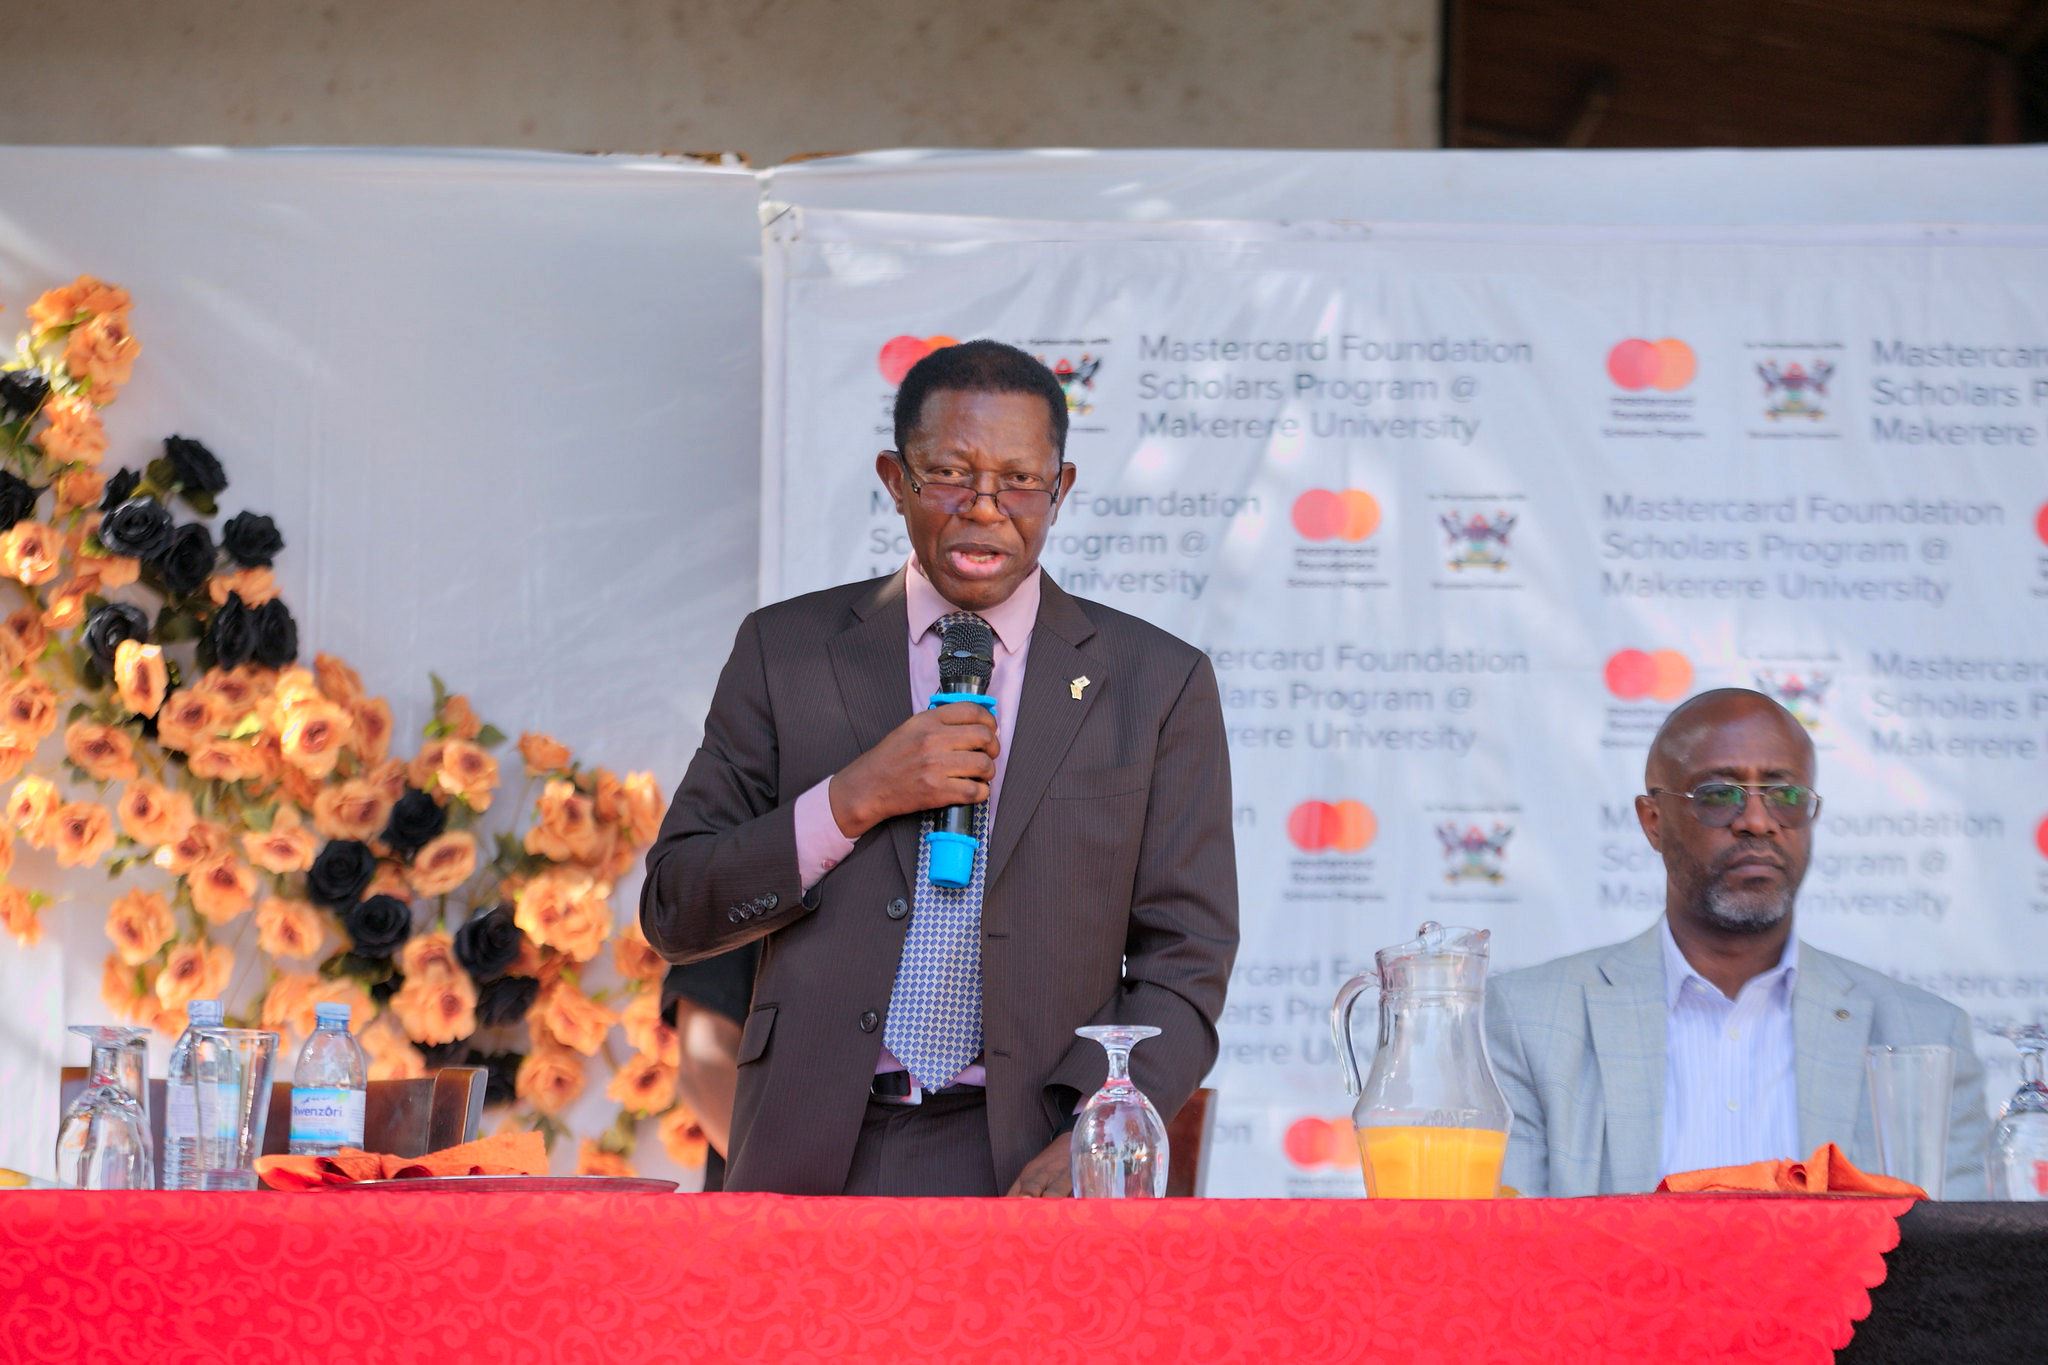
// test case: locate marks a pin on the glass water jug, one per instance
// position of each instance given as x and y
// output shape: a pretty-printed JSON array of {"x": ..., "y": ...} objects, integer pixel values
[{"x": 1431, "y": 1120}]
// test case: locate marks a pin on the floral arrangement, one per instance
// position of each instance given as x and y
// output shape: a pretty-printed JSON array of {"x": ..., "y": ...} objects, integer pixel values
[{"x": 233, "y": 792}]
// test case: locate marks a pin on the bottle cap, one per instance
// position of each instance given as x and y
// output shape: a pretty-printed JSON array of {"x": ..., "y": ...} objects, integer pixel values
[
  {"x": 204, "y": 1013},
  {"x": 331, "y": 1014}
]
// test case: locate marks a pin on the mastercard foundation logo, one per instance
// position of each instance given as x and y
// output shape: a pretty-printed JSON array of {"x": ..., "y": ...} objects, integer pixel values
[
  {"x": 1668, "y": 364},
  {"x": 1332, "y": 826},
  {"x": 2041, "y": 523},
  {"x": 2041, "y": 837},
  {"x": 898, "y": 354},
  {"x": 1639, "y": 675},
  {"x": 1330, "y": 514},
  {"x": 1311, "y": 1142}
]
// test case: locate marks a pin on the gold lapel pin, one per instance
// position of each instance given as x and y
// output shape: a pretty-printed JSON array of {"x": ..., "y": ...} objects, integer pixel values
[{"x": 1078, "y": 686}]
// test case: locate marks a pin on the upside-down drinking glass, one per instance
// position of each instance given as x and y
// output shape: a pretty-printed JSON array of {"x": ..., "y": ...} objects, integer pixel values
[
  {"x": 1119, "y": 1148},
  {"x": 2019, "y": 1140},
  {"x": 104, "y": 1141}
]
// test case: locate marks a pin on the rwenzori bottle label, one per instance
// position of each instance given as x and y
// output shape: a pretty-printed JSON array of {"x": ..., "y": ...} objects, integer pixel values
[{"x": 327, "y": 1114}]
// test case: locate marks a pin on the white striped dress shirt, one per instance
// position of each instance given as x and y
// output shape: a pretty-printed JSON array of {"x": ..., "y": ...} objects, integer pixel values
[{"x": 1730, "y": 1093}]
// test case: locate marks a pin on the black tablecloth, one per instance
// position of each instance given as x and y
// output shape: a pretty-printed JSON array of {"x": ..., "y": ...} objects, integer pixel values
[{"x": 1967, "y": 1282}]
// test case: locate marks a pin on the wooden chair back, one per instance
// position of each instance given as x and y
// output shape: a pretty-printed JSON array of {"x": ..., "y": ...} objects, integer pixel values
[
  {"x": 404, "y": 1118},
  {"x": 1187, "y": 1140}
]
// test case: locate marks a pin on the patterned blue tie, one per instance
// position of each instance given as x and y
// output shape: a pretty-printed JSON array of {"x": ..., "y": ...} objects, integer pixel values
[{"x": 935, "y": 1010}]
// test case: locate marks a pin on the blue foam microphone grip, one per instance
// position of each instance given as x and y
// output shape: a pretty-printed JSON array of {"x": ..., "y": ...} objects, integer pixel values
[{"x": 949, "y": 856}]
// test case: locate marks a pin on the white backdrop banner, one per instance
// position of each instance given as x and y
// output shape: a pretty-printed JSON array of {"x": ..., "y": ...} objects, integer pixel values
[{"x": 1458, "y": 513}]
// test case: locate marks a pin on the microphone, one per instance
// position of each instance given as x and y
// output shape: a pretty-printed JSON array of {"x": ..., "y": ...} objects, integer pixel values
[{"x": 967, "y": 660}]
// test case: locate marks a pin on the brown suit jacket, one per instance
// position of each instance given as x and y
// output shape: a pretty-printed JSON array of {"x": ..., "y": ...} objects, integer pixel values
[{"x": 1111, "y": 891}]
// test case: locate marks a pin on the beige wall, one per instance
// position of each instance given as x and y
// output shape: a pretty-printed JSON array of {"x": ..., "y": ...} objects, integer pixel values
[{"x": 770, "y": 78}]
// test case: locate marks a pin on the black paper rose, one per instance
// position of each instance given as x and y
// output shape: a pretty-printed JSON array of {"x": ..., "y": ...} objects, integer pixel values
[
  {"x": 187, "y": 562},
  {"x": 231, "y": 634},
  {"x": 140, "y": 527},
  {"x": 506, "y": 1000},
  {"x": 438, "y": 1055},
  {"x": 501, "y": 1075},
  {"x": 276, "y": 634},
  {"x": 252, "y": 541},
  {"x": 416, "y": 818},
  {"x": 17, "y": 499},
  {"x": 194, "y": 466},
  {"x": 120, "y": 488},
  {"x": 488, "y": 944},
  {"x": 22, "y": 392},
  {"x": 378, "y": 925},
  {"x": 108, "y": 626},
  {"x": 340, "y": 873}
]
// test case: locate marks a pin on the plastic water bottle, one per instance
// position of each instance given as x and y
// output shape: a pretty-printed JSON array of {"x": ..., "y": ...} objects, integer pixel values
[
  {"x": 328, "y": 1087},
  {"x": 181, "y": 1101}
]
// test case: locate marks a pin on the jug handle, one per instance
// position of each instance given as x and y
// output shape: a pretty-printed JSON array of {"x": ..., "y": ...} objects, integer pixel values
[{"x": 1340, "y": 1026}]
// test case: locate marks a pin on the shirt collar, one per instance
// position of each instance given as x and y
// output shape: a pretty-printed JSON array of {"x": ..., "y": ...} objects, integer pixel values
[
  {"x": 1011, "y": 619},
  {"x": 1677, "y": 971}
]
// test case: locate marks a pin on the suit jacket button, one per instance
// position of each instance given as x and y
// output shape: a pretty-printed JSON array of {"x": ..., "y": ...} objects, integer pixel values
[
  {"x": 898, "y": 908},
  {"x": 735, "y": 914},
  {"x": 868, "y": 1020},
  {"x": 769, "y": 901}
]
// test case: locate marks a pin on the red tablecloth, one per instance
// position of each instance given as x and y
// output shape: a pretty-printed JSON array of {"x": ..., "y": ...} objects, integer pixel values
[{"x": 448, "y": 1278}]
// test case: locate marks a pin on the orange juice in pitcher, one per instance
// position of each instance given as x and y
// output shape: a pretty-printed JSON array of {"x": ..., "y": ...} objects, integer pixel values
[
  {"x": 1431, "y": 1163},
  {"x": 1432, "y": 1122}
]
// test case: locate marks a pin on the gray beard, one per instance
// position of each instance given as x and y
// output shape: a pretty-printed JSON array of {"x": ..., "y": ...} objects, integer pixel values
[{"x": 1740, "y": 914}]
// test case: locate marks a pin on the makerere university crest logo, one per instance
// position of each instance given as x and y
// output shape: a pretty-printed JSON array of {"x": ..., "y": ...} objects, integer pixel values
[
  {"x": 1804, "y": 695},
  {"x": 1477, "y": 541},
  {"x": 1472, "y": 854},
  {"x": 1077, "y": 379},
  {"x": 1795, "y": 391}
]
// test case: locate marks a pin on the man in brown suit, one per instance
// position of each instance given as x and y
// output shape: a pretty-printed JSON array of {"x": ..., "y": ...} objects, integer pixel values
[{"x": 904, "y": 1038}]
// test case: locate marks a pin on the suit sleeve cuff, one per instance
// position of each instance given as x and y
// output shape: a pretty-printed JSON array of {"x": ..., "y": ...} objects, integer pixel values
[{"x": 819, "y": 844}]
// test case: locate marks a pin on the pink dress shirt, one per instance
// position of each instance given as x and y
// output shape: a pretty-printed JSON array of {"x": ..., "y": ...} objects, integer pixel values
[{"x": 819, "y": 843}]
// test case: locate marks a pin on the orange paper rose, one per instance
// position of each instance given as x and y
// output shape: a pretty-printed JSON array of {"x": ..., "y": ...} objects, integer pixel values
[
  {"x": 572, "y": 1018},
  {"x": 21, "y": 916},
  {"x": 467, "y": 773},
  {"x": 436, "y": 1009},
  {"x": 152, "y": 816},
  {"x": 222, "y": 887},
  {"x": 104, "y": 753},
  {"x": 682, "y": 1137},
  {"x": 194, "y": 971},
  {"x": 645, "y": 1085},
  {"x": 139, "y": 923},
  {"x": 74, "y": 435},
  {"x": 444, "y": 863},
  {"x": 550, "y": 1079},
  {"x": 564, "y": 911},
  {"x": 289, "y": 928},
  {"x": 140, "y": 676},
  {"x": 286, "y": 847},
  {"x": 542, "y": 753},
  {"x": 81, "y": 833}
]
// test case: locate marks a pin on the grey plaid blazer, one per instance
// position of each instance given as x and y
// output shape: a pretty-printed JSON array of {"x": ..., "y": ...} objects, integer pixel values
[{"x": 1578, "y": 1045}]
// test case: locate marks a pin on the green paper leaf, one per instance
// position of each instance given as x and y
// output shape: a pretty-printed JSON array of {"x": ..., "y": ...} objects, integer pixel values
[
  {"x": 490, "y": 737},
  {"x": 162, "y": 473}
]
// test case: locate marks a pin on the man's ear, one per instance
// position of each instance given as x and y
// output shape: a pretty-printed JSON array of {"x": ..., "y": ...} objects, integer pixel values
[
  {"x": 1063, "y": 485},
  {"x": 889, "y": 470},
  {"x": 1651, "y": 818}
]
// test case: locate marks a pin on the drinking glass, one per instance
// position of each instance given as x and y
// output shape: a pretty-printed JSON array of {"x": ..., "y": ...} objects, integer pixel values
[
  {"x": 1119, "y": 1147},
  {"x": 2019, "y": 1140},
  {"x": 104, "y": 1141},
  {"x": 1910, "y": 1092},
  {"x": 231, "y": 1082}
]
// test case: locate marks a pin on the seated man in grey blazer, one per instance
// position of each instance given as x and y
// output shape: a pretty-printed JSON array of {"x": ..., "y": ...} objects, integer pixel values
[{"x": 1716, "y": 1038}]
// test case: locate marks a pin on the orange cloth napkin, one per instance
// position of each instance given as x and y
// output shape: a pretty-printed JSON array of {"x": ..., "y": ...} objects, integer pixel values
[
  {"x": 501, "y": 1154},
  {"x": 1827, "y": 1171}
]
